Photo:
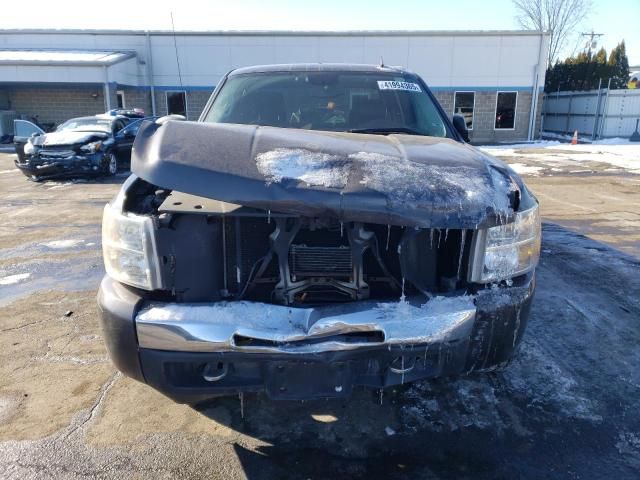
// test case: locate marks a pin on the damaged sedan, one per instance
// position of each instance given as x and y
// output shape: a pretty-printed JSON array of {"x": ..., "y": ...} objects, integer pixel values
[
  {"x": 320, "y": 228},
  {"x": 84, "y": 146}
]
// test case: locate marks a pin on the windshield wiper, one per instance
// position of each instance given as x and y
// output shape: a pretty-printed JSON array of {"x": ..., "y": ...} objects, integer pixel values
[{"x": 386, "y": 130}]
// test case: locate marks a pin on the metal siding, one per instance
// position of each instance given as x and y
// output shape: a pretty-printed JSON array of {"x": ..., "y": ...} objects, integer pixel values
[
  {"x": 616, "y": 116},
  {"x": 460, "y": 59}
]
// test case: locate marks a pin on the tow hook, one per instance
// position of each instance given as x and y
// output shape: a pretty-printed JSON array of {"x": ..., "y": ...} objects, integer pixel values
[
  {"x": 402, "y": 366},
  {"x": 215, "y": 372}
]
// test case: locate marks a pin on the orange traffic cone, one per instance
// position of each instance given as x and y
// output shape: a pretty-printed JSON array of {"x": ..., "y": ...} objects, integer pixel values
[{"x": 574, "y": 140}]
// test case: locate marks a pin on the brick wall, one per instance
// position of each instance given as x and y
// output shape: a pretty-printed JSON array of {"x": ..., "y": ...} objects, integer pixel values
[
  {"x": 134, "y": 98},
  {"x": 484, "y": 116},
  {"x": 4, "y": 98},
  {"x": 56, "y": 104},
  {"x": 538, "y": 116},
  {"x": 196, "y": 100}
]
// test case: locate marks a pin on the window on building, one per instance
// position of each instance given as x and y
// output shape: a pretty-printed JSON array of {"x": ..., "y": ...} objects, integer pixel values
[
  {"x": 120, "y": 99},
  {"x": 463, "y": 104},
  {"x": 177, "y": 103},
  {"x": 506, "y": 110}
]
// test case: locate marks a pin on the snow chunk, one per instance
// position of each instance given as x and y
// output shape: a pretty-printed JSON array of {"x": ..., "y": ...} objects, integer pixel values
[
  {"x": 313, "y": 168},
  {"x": 430, "y": 322},
  {"x": 11, "y": 279},
  {"x": 442, "y": 305}
]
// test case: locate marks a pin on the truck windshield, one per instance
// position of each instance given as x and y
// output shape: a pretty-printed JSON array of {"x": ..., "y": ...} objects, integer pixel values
[{"x": 364, "y": 102}]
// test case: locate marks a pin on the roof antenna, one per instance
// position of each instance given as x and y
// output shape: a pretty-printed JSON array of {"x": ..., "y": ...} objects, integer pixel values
[
  {"x": 382, "y": 65},
  {"x": 175, "y": 46}
]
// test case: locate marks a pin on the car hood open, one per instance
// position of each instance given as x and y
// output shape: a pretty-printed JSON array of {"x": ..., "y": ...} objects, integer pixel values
[
  {"x": 68, "y": 137},
  {"x": 403, "y": 180}
]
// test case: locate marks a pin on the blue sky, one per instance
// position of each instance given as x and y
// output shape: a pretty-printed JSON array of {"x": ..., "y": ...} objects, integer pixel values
[{"x": 617, "y": 19}]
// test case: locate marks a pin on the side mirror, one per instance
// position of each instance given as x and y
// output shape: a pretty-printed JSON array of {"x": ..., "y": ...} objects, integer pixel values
[
  {"x": 461, "y": 127},
  {"x": 166, "y": 118}
]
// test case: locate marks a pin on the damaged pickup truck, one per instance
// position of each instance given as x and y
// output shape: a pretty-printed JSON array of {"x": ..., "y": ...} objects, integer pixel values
[{"x": 320, "y": 228}]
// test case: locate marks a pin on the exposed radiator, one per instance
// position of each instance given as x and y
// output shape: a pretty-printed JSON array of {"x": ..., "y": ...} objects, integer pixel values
[{"x": 307, "y": 261}]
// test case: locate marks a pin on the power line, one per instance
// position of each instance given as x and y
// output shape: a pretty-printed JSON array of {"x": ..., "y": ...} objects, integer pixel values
[
  {"x": 175, "y": 46},
  {"x": 591, "y": 43}
]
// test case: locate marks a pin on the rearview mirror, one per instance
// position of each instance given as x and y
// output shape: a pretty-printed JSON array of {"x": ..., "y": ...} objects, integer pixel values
[{"x": 461, "y": 127}]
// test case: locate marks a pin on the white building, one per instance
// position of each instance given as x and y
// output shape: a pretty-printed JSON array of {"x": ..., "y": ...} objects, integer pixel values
[{"x": 493, "y": 78}]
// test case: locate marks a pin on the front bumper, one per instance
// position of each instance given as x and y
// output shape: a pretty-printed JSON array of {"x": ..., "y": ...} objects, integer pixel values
[
  {"x": 70, "y": 166},
  {"x": 303, "y": 353}
]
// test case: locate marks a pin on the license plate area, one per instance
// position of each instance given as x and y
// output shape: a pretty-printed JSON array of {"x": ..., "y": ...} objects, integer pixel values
[{"x": 304, "y": 380}]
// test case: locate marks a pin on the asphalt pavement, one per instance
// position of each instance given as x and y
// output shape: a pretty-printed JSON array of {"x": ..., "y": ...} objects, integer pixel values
[{"x": 567, "y": 407}]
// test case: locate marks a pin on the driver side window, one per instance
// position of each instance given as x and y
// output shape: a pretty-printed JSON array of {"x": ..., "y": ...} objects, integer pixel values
[
  {"x": 118, "y": 125},
  {"x": 132, "y": 128}
]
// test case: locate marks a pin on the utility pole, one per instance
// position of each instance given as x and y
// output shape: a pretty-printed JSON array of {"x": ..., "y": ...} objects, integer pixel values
[{"x": 591, "y": 43}]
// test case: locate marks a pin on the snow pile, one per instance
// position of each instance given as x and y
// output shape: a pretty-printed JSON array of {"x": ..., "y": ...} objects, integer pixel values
[{"x": 313, "y": 168}]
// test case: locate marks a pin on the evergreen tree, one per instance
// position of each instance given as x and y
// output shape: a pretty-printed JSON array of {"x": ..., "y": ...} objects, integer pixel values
[
  {"x": 584, "y": 71},
  {"x": 619, "y": 64}
]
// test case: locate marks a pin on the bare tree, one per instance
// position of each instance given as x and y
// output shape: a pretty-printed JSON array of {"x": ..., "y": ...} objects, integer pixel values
[{"x": 559, "y": 17}]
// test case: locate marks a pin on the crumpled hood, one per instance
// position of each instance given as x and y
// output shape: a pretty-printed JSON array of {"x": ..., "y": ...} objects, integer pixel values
[
  {"x": 388, "y": 179},
  {"x": 68, "y": 137}
]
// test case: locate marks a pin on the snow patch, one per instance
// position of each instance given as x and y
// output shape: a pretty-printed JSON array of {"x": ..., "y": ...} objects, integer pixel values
[
  {"x": 62, "y": 244},
  {"x": 548, "y": 384},
  {"x": 313, "y": 168},
  {"x": 523, "y": 169},
  {"x": 402, "y": 181},
  {"x": 619, "y": 154},
  {"x": 11, "y": 279},
  {"x": 628, "y": 443},
  {"x": 406, "y": 182}
]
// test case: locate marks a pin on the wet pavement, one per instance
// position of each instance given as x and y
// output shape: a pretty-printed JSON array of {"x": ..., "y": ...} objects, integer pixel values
[{"x": 567, "y": 407}]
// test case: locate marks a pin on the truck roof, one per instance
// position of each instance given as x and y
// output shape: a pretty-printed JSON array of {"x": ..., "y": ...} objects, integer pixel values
[{"x": 317, "y": 67}]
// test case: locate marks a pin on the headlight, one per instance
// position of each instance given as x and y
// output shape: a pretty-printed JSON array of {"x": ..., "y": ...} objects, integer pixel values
[
  {"x": 29, "y": 148},
  {"x": 509, "y": 250},
  {"x": 129, "y": 250},
  {"x": 92, "y": 147}
]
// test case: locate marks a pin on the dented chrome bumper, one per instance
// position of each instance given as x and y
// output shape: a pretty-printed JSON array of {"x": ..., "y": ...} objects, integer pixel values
[
  {"x": 194, "y": 352},
  {"x": 256, "y": 327}
]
